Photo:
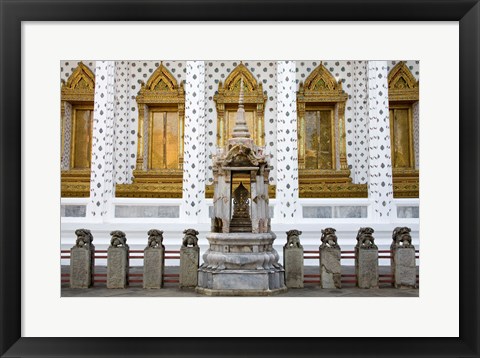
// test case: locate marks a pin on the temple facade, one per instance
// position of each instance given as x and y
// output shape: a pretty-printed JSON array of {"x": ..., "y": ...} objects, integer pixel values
[{"x": 140, "y": 138}]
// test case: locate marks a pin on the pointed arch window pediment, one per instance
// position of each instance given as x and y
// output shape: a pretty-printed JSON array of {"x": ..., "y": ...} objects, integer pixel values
[
  {"x": 402, "y": 85},
  {"x": 161, "y": 80},
  {"x": 80, "y": 86},
  {"x": 321, "y": 80}
]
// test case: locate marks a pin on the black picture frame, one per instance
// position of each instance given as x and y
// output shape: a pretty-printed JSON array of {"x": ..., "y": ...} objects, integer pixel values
[{"x": 467, "y": 12}]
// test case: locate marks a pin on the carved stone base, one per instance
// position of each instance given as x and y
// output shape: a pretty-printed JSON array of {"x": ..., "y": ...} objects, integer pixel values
[
  {"x": 293, "y": 263},
  {"x": 81, "y": 267},
  {"x": 189, "y": 259},
  {"x": 241, "y": 264},
  {"x": 117, "y": 267},
  {"x": 403, "y": 267},
  {"x": 366, "y": 265},
  {"x": 153, "y": 267},
  {"x": 330, "y": 269}
]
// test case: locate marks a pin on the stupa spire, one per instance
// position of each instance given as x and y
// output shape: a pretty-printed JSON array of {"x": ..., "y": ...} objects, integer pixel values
[{"x": 241, "y": 129}]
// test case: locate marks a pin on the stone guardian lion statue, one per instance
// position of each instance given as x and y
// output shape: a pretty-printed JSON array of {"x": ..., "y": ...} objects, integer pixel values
[
  {"x": 190, "y": 238},
  {"x": 293, "y": 239},
  {"x": 84, "y": 238}
]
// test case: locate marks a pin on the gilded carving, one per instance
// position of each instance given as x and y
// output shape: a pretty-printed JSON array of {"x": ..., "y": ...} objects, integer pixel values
[
  {"x": 78, "y": 90},
  {"x": 403, "y": 91},
  {"x": 321, "y": 91},
  {"x": 402, "y": 85}
]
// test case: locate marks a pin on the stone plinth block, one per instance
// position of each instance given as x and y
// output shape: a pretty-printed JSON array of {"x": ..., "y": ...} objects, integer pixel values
[
  {"x": 403, "y": 267},
  {"x": 153, "y": 267},
  {"x": 189, "y": 261},
  {"x": 293, "y": 265},
  {"x": 81, "y": 266},
  {"x": 366, "y": 265},
  {"x": 117, "y": 267},
  {"x": 330, "y": 268}
]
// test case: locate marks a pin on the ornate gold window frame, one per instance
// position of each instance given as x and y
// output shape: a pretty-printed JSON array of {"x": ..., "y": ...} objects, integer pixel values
[
  {"x": 322, "y": 90},
  {"x": 79, "y": 90},
  {"x": 403, "y": 91},
  {"x": 160, "y": 91},
  {"x": 228, "y": 94}
]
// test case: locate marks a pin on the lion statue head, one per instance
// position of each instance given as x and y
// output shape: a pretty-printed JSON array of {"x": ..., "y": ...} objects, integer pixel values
[
  {"x": 190, "y": 238},
  {"x": 401, "y": 237},
  {"x": 155, "y": 238},
  {"x": 329, "y": 238},
  {"x": 365, "y": 239},
  {"x": 293, "y": 239},
  {"x": 118, "y": 239},
  {"x": 84, "y": 238}
]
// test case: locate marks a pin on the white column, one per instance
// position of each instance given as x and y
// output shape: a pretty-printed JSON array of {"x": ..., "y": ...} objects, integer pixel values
[
  {"x": 380, "y": 188},
  {"x": 102, "y": 184},
  {"x": 360, "y": 159},
  {"x": 194, "y": 162},
  {"x": 122, "y": 116},
  {"x": 288, "y": 207}
]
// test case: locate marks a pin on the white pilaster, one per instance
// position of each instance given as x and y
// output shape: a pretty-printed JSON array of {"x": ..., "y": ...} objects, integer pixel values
[
  {"x": 194, "y": 158},
  {"x": 380, "y": 188},
  {"x": 123, "y": 173},
  {"x": 288, "y": 207},
  {"x": 102, "y": 184},
  {"x": 360, "y": 162}
]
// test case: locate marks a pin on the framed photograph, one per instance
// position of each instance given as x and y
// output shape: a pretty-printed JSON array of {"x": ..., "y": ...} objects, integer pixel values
[{"x": 39, "y": 38}]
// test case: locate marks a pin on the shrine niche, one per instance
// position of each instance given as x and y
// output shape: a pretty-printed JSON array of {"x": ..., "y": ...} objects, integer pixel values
[
  {"x": 403, "y": 94},
  {"x": 161, "y": 112},
  {"x": 241, "y": 259},
  {"x": 77, "y": 100},
  {"x": 226, "y": 100},
  {"x": 322, "y": 155}
]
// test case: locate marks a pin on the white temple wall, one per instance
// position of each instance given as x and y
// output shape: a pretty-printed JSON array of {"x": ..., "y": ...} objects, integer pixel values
[{"x": 346, "y": 215}]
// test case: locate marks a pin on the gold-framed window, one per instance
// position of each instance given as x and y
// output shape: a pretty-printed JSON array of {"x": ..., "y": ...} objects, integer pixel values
[
  {"x": 161, "y": 112},
  {"x": 322, "y": 157},
  {"x": 401, "y": 135},
  {"x": 319, "y": 138},
  {"x": 77, "y": 108},
  {"x": 164, "y": 141},
  {"x": 403, "y": 95},
  {"x": 82, "y": 132}
]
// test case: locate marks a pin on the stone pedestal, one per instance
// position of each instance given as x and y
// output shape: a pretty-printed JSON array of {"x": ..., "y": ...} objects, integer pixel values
[
  {"x": 153, "y": 267},
  {"x": 241, "y": 264},
  {"x": 403, "y": 267},
  {"x": 117, "y": 267},
  {"x": 330, "y": 268},
  {"x": 82, "y": 266},
  {"x": 293, "y": 264},
  {"x": 189, "y": 261},
  {"x": 366, "y": 267}
]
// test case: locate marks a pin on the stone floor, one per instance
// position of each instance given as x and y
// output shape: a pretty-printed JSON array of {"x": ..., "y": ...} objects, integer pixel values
[{"x": 172, "y": 290}]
